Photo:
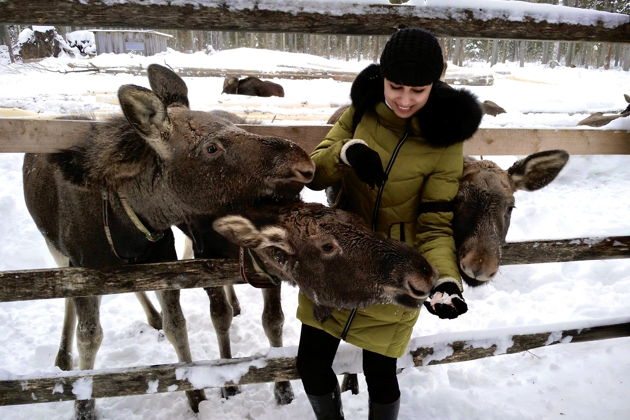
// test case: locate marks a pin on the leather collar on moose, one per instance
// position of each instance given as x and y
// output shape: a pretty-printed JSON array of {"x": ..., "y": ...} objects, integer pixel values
[
  {"x": 151, "y": 236},
  {"x": 253, "y": 271},
  {"x": 450, "y": 115}
]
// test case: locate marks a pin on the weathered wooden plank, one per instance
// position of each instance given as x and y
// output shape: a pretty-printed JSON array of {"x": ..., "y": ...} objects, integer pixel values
[
  {"x": 272, "y": 16},
  {"x": 490, "y": 141},
  {"x": 21, "y": 135},
  {"x": 75, "y": 281},
  {"x": 260, "y": 369},
  {"x": 70, "y": 282},
  {"x": 565, "y": 250},
  {"x": 142, "y": 380}
]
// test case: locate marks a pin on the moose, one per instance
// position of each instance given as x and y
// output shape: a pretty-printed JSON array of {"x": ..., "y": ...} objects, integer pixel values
[
  {"x": 484, "y": 203},
  {"x": 310, "y": 243},
  {"x": 311, "y": 246},
  {"x": 252, "y": 86},
  {"x": 112, "y": 200}
]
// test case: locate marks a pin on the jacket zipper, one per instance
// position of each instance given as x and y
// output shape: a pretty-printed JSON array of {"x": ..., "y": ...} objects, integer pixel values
[
  {"x": 379, "y": 195},
  {"x": 377, "y": 205}
]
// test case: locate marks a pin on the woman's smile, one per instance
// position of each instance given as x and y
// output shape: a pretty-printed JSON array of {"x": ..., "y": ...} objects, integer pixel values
[{"x": 405, "y": 100}]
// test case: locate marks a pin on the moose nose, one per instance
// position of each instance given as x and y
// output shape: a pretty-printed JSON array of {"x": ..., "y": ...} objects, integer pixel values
[
  {"x": 479, "y": 266},
  {"x": 418, "y": 286},
  {"x": 303, "y": 172}
]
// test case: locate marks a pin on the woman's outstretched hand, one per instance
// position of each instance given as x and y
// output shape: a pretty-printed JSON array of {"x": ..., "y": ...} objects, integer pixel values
[{"x": 446, "y": 301}]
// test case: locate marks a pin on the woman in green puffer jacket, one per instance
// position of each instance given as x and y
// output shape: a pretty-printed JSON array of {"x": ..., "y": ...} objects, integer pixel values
[{"x": 395, "y": 157}]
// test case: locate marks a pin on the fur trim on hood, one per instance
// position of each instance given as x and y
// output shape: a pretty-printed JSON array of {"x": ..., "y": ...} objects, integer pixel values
[{"x": 450, "y": 115}]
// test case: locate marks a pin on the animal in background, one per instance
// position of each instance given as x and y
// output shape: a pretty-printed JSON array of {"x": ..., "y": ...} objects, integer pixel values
[
  {"x": 598, "y": 119},
  {"x": 252, "y": 86},
  {"x": 491, "y": 108}
]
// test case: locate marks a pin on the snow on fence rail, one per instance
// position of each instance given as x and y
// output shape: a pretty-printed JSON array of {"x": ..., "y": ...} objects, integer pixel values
[
  {"x": 510, "y": 20},
  {"x": 457, "y": 347}
]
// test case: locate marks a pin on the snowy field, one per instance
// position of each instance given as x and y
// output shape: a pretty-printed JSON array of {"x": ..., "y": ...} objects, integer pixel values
[{"x": 591, "y": 197}]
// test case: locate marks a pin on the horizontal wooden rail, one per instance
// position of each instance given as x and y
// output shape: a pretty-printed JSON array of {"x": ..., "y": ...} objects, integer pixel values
[
  {"x": 189, "y": 376},
  {"x": 75, "y": 281},
  {"x": 72, "y": 282},
  {"x": 378, "y": 18},
  {"x": 21, "y": 135},
  {"x": 566, "y": 250}
]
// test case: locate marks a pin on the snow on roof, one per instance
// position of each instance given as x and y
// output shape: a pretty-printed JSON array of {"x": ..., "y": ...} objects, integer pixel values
[{"x": 132, "y": 30}]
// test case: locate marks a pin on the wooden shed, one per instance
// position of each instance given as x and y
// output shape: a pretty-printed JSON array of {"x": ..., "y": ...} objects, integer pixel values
[{"x": 118, "y": 41}]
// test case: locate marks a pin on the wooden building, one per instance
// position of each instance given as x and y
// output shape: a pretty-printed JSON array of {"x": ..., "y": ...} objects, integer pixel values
[{"x": 118, "y": 41}]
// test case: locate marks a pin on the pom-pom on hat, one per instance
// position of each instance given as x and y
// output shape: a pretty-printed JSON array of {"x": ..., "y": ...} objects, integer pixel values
[{"x": 412, "y": 57}]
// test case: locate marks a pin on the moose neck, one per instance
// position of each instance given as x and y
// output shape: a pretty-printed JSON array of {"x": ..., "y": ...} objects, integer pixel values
[{"x": 151, "y": 204}]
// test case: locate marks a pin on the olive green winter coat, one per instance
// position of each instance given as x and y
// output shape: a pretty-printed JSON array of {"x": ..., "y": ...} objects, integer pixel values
[{"x": 421, "y": 173}]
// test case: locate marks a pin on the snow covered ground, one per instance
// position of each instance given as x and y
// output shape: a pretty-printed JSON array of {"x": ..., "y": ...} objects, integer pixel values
[{"x": 591, "y": 197}]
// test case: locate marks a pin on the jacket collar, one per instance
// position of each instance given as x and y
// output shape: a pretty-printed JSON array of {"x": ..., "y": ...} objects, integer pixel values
[{"x": 388, "y": 118}]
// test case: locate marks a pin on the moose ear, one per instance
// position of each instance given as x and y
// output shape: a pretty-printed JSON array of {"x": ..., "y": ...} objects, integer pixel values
[
  {"x": 238, "y": 230},
  {"x": 147, "y": 115},
  {"x": 242, "y": 232},
  {"x": 276, "y": 237},
  {"x": 537, "y": 170},
  {"x": 168, "y": 86}
]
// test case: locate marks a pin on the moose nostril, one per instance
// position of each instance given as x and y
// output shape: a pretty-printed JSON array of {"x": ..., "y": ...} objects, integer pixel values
[
  {"x": 416, "y": 286},
  {"x": 307, "y": 175},
  {"x": 304, "y": 172},
  {"x": 417, "y": 291}
]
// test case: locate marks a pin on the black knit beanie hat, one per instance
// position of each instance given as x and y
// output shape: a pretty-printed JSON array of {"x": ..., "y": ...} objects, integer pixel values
[{"x": 412, "y": 57}]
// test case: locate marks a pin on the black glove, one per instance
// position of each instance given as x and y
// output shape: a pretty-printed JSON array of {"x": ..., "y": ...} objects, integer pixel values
[
  {"x": 366, "y": 164},
  {"x": 446, "y": 301}
]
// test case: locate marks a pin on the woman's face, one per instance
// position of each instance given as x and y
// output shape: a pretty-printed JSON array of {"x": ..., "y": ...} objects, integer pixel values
[{"x": 406, "y": 100}]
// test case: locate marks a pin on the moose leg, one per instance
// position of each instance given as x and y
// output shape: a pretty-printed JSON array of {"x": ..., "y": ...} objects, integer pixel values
[
  {"x": 153, "y": 316},
  {"x": 273, "y": 321},
  {"x": 233, "y": 299},
  {"x": 174, "y": 326},
  {"x": 222, "y": 313},
  {"x": 89, "y": 338},
  {"x": 64, "y": 355}
]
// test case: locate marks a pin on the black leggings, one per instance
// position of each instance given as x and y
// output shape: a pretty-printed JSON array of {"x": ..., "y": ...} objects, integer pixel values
[{"x": 316, "y": 353}]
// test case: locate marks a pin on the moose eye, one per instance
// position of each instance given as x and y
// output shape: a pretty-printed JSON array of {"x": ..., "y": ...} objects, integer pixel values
[
  {"x": 328, "y": 248},
  {"x": 212, "y": 148}
]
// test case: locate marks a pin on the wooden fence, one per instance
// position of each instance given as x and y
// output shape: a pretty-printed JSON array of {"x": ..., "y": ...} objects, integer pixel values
[
  {"x": 379, "y": 18},
  {"x": 24, "y": 135},
  {"x": 20, "y": 135}
]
